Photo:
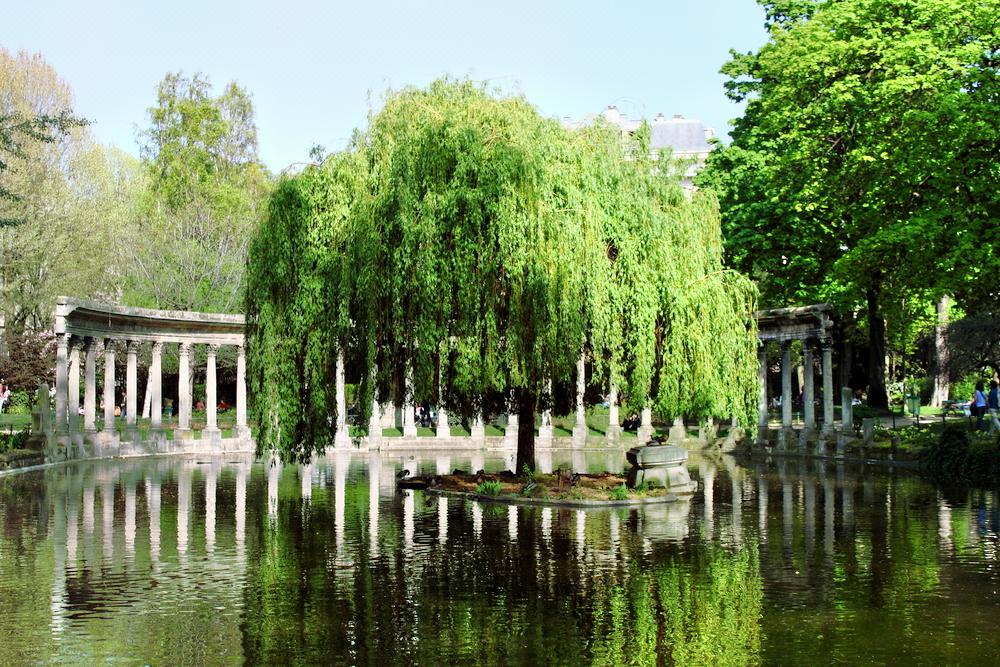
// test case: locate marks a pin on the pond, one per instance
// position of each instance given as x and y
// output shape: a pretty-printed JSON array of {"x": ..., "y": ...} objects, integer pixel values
[{"x": 229, "y": 561}]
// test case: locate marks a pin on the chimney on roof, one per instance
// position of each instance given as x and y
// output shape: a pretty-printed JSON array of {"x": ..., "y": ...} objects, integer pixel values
[
  {"x": 678, "y": 116},
  {"x": 660, "y": 118},
  {"x": 611, "y": 113}
]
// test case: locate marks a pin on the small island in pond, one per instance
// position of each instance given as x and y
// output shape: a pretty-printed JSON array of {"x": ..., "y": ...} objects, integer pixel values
[{"x": 564, "y": 487}]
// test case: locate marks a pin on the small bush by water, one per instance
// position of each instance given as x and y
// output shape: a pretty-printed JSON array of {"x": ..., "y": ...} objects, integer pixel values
[
  {"x": 962, "y": 454},
  {"x": 489, "y": 488}
]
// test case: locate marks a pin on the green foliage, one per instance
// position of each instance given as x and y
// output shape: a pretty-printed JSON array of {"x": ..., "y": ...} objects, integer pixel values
[
  {"x": 619, "y": 493},
  {"x": 13, "y": 440},
  {"x": 20, "y": 403},
  {"x": 961, "y": 454},
  {"x": 862, "y": 171},
  {"x": 963, "y": 390},
  {"x": 467, "y": 238},
  {"x": 527, "y": 474},
  {"x": 204, "y": 194},
  {"x": 489, "y": 487},
  {"x": 16, "y": 130}
]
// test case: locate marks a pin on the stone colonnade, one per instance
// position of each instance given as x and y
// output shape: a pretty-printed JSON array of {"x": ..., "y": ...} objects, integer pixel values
[
  {"x": 85, "y": 330},
  {"x": 390, "y": 415},
  {"x": 811, "y": 325}
]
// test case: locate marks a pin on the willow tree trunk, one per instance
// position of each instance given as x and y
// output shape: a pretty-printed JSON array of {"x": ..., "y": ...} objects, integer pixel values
[
  {"x": 526, "y": 400},
  {"x": 877, "y": 397}
]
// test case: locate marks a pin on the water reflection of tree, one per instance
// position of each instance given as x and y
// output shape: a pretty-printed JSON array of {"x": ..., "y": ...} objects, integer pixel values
[{"x": 529, "y": 597}]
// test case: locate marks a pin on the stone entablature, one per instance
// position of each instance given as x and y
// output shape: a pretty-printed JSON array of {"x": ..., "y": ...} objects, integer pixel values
[
  {"x": 800, "y": 323},
  {"x": 100, "y": 320}
]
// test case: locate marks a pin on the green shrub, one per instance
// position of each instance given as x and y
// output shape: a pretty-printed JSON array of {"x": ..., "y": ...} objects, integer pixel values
[
  {"x": 961, "y": 454},
  {"x": 619, "y": 493},
  {"x": 488, "y": 488},
  {"x": 15, "y": 440},
  {"x": 20, "y": 403},
  {"x": 966, "y": 387},
  {"x": 527, "y": 474}
]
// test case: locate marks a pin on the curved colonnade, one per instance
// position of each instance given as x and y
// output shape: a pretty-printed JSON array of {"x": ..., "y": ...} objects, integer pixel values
[{"x": 87, "y": 330}]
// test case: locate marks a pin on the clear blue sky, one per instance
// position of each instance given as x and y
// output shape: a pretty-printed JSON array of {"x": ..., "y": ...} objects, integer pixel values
[{"x": 312, "y": 67}]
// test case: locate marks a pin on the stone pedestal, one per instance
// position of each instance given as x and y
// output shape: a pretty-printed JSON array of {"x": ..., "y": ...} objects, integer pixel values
[
  {"x": 660, "y": 465},
  {"x": 645, "y": 432},
  {"x": 678, "y": 431},
  {"x": 847, "y": 409}
]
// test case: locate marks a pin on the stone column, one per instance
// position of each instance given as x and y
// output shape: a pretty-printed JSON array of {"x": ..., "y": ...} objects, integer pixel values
[
  {"x": 184, "y": 390},
  {"x": 786, "y": 384},
  {"x": 90, "y": 385},
  {"x": 809, "y": 408},
  {"x": 109, "y": 386},
  {"x": 342, "y": 436},
  {"x": 847, "y": 408},
  {"x": 156, "y": 388},
  {"x": 62, "y": 382},
  {"x": 375, "y": 425},
  {"x": 443, "y": 430},
  {"x": 477, "y": 430},
  {"x": 827, "y": 384},
  {"x": 545, "y": 427},
  {"x": 74, "y": 382},
  {"x": 614, "y": 428},
  {"x": 645, "y": 432},
  {"x": 580, "y": 427},
  {"x": 242, "y": 431},
  {"x": 131, "y": 399},
  {"x": 762, "y": 389},
  {"x": 211, "y": 432},
  {"x": 409, "y": 423}
]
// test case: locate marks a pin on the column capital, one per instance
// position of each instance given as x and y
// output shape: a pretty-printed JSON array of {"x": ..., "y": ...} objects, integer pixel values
[
  {"x": 74, "y": 341},
  {"x": 132, "y": 346},
  {"x": 786, "y": 344},
  {"x": 826, "y": 342},
  {"x": 89, "y": 343},
  {"x": 212, "y": 348},
  {"x": 111, "y": 345},
  {"x": 157, "y": 346},
  {"x": 184, "y": 349}
]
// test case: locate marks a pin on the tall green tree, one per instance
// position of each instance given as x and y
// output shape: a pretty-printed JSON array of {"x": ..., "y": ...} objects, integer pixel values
[
  {"x": 204, "y": 191},
  {"x": 484, "y": 247},
  {"x": 60, "y": 197},
  {"x": 862, "y": 168}
]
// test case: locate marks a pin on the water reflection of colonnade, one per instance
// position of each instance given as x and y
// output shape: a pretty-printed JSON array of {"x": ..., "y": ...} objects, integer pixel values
[{"x": 184, "y": 522}]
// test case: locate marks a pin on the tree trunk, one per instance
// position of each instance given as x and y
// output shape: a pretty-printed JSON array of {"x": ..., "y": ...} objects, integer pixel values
[
  {"x": 940, "y": 394},
  {"x": 877, "y": 397},
  {"x": 526, "y": 400}
]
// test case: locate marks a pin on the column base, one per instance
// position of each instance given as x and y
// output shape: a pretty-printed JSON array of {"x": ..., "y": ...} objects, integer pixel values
[
  {"x": 183, "y": 434},
  {"x": 678, "y": 433},
  {"x": 409, "y": 430},
  {"x": 614, "y": 433},
  {"x": 644, "y": 434},
  {"x": 442, "y": 432},
  {"x": 580, "y": 432},
  {"x": 211, "y": 438},
  {"x": 341, "y": 440}
]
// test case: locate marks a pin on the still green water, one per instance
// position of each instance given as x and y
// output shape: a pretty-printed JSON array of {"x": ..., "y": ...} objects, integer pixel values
[{"x": 226, "y": 561}]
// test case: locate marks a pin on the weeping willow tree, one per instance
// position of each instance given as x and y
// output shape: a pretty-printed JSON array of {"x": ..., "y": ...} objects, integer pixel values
[{"x": 467, "y": 251}]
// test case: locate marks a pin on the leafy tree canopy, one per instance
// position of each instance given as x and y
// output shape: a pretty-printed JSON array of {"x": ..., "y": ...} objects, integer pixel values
[
  {"x": 863, "y": 168},
  {"x": 202, "y": 198},
  {"x": 484, "y": 247}
]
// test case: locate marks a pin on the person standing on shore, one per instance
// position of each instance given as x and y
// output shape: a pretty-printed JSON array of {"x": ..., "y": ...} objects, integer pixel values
[
  {"x": 978, "y": 406},
  {"x": 993, "y": 405}
]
